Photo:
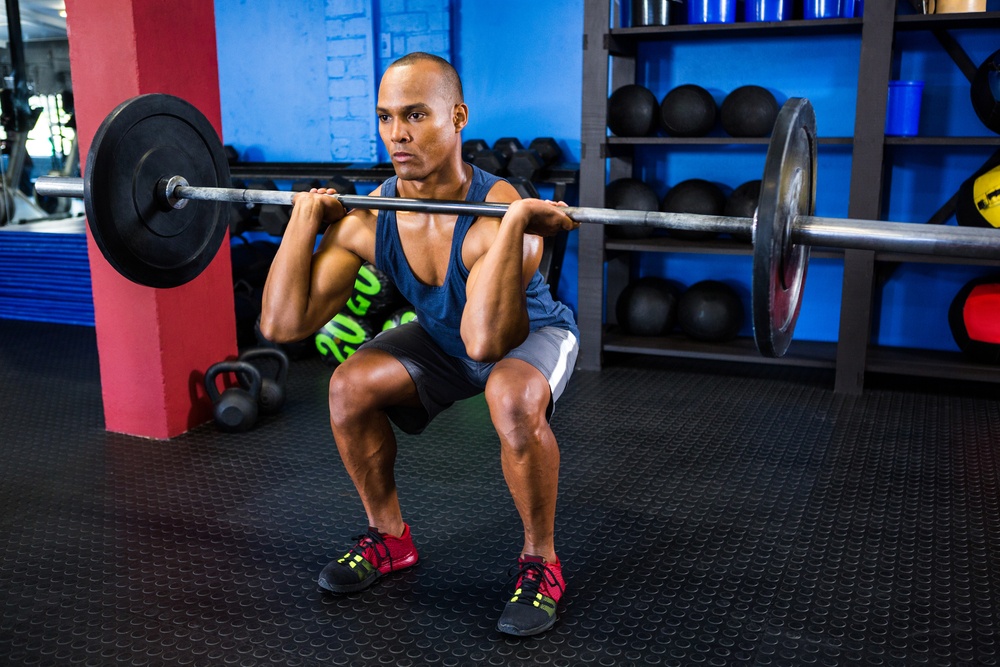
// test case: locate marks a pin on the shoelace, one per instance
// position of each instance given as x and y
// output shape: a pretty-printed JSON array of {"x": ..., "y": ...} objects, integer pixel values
[
  {"x": 370, "y": 540},
  {"x": 531, "y": 574}
]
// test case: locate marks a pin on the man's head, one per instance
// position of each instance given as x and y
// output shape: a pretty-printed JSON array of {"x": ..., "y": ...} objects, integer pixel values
[
  {"x": 451, "y": 83},
  {"x": 421, "y": 113}
]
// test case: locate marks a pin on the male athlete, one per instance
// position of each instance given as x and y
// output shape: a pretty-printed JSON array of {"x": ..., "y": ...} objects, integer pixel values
[{"x": 486, "y": 322}]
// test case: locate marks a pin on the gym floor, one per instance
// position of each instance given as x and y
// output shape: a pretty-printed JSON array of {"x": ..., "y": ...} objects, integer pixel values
[{"x": 709, "y": 515}]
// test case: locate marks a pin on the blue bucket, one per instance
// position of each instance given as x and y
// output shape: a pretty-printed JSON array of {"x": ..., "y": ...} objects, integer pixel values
[
  {"x": 822, "y": 9},
  {"x": 902, "y": 113},
  {"x": 711, "y": 11},
  {"x": 767, "y": 10}
]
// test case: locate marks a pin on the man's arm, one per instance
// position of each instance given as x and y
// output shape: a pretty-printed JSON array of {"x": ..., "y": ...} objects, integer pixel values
[
  {"x": 305, "y": 289},
  {"x": 495, "y": 320}
]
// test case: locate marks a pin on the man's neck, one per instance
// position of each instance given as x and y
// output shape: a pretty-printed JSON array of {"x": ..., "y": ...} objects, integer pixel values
[{"x": 450, "y": 181}]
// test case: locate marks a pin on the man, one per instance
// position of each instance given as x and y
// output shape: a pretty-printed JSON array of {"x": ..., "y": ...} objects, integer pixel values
[{"x": 485, "y": 323}]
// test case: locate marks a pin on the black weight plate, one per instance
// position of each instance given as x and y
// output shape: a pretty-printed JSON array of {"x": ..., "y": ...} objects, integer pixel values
[
  {"x": 142, "y": 141},
  {"x": 788, "y": 189}
]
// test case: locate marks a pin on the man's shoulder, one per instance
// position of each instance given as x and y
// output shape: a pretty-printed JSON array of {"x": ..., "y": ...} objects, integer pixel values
[{"x": 502, "y": 192}]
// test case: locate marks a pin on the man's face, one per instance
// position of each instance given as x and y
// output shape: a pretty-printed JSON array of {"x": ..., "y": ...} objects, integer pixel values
[{"x": 417, "y": 119}]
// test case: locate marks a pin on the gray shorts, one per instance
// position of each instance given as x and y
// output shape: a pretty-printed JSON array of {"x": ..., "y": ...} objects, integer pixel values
[{"x": 442, "y": 379}]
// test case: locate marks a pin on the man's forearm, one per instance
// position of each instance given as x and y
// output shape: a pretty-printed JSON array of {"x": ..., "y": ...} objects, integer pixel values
[{"x": 285, "y": 302}]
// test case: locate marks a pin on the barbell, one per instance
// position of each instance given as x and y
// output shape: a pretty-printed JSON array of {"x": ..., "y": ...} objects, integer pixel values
[{"x": 154, "y": 197}]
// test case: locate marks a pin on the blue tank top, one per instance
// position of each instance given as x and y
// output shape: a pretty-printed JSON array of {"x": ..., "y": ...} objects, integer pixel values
[{"x": 439, "y": 309}]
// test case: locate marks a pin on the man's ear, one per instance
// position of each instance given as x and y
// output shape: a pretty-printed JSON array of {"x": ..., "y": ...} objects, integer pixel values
[{"x": 460, "y": 116}]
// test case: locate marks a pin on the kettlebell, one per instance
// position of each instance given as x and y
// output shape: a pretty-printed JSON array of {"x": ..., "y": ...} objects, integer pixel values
[
  {"x": 272, "y": 388},
  {"x": 236, "y": 407}
]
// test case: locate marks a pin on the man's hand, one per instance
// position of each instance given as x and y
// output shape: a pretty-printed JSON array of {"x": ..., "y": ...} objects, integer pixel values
[
  {"x": 540, "y": 217},
  {"x": 330, "y": 207}
]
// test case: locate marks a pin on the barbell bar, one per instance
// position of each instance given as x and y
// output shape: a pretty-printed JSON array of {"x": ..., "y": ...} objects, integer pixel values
[
  {"x": 857, "y": 234},
  {"x": 137, "y": 193}
]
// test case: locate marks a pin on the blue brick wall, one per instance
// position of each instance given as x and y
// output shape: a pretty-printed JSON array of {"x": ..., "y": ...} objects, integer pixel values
[
  {"x": 405, "y": 26},
  {"x": 299, "y": 79},
  {"x": 355, "y": 65},
  {"x": 351, "y": 85}
]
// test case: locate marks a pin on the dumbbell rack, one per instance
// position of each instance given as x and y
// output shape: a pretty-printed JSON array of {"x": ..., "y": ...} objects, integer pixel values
[{"x": 613, "y": 50}]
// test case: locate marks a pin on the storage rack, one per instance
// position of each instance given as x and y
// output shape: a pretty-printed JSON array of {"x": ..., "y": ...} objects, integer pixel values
[{"x": 610, "y": 52}]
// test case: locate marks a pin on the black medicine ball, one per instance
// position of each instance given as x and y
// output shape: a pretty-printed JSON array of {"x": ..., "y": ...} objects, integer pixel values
[
  {"x": 985, "y": 92},
  {"x": 742, "y": 203},
  {"x": 697, "y": 196},
  {"x": 342, "y": 336},
  {"x": 710, "y": 311},
  {"x": 630, "y": 194},
  {"x": 402, "y": 316},
  {"x": 749, "y": 111},
  {"x": 632, "y": 111},
  {"x": 374, "y": 294},
  {"x": 688, "y": 111},
  {"x": 648, "y": 307}
]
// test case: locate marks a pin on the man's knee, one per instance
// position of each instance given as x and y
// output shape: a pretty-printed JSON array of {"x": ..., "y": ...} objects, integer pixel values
[
  {"x": 349, "y": 399},
  {"x": 354, "y": 388},
  {"x": 369, "y": 380},
  {"x": 518, "y": 397}
]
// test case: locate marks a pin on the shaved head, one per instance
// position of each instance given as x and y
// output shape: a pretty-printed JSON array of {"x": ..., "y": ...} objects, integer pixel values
[{"x": 451, "y": 84}]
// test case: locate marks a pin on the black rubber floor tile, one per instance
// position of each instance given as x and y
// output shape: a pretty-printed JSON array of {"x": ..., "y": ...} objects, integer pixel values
[{"x": 708, "y": 515}]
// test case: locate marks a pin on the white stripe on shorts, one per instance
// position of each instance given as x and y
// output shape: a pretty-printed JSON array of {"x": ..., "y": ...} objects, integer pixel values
[{"x": 568, "y": 349}]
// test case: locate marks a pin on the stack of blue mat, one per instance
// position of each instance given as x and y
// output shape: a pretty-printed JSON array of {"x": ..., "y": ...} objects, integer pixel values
[{"x": 45, "y": 273}]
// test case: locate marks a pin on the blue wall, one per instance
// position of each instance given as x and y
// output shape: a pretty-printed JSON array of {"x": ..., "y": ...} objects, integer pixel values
[
  {"x": 520, "y": 61},
  {"x": 521, "y": 65},
  {"x": 273, "y": 79}
]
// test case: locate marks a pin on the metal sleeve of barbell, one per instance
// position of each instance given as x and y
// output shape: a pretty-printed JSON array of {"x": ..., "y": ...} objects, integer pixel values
[
  {"x": 59, "y": 186},
  {"x": 911, "y": 238}
]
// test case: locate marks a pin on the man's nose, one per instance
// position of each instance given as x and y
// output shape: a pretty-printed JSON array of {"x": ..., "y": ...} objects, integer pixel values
[{"x": 398, "y": 133}]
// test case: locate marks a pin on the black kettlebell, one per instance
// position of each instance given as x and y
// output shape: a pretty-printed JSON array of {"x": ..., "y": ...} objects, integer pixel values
[
  {"x": 272, "y": 388},
  {"x": 236, "y": 407}
]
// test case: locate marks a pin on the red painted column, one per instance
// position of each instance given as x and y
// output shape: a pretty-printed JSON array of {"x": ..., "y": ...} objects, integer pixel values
[{"x": 154, "y": 345}]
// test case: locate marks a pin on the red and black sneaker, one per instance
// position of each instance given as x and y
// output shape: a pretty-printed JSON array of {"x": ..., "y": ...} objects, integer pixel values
[
  {"x": 375, "y": 554},
  {"x": 532, "y": 609}
]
